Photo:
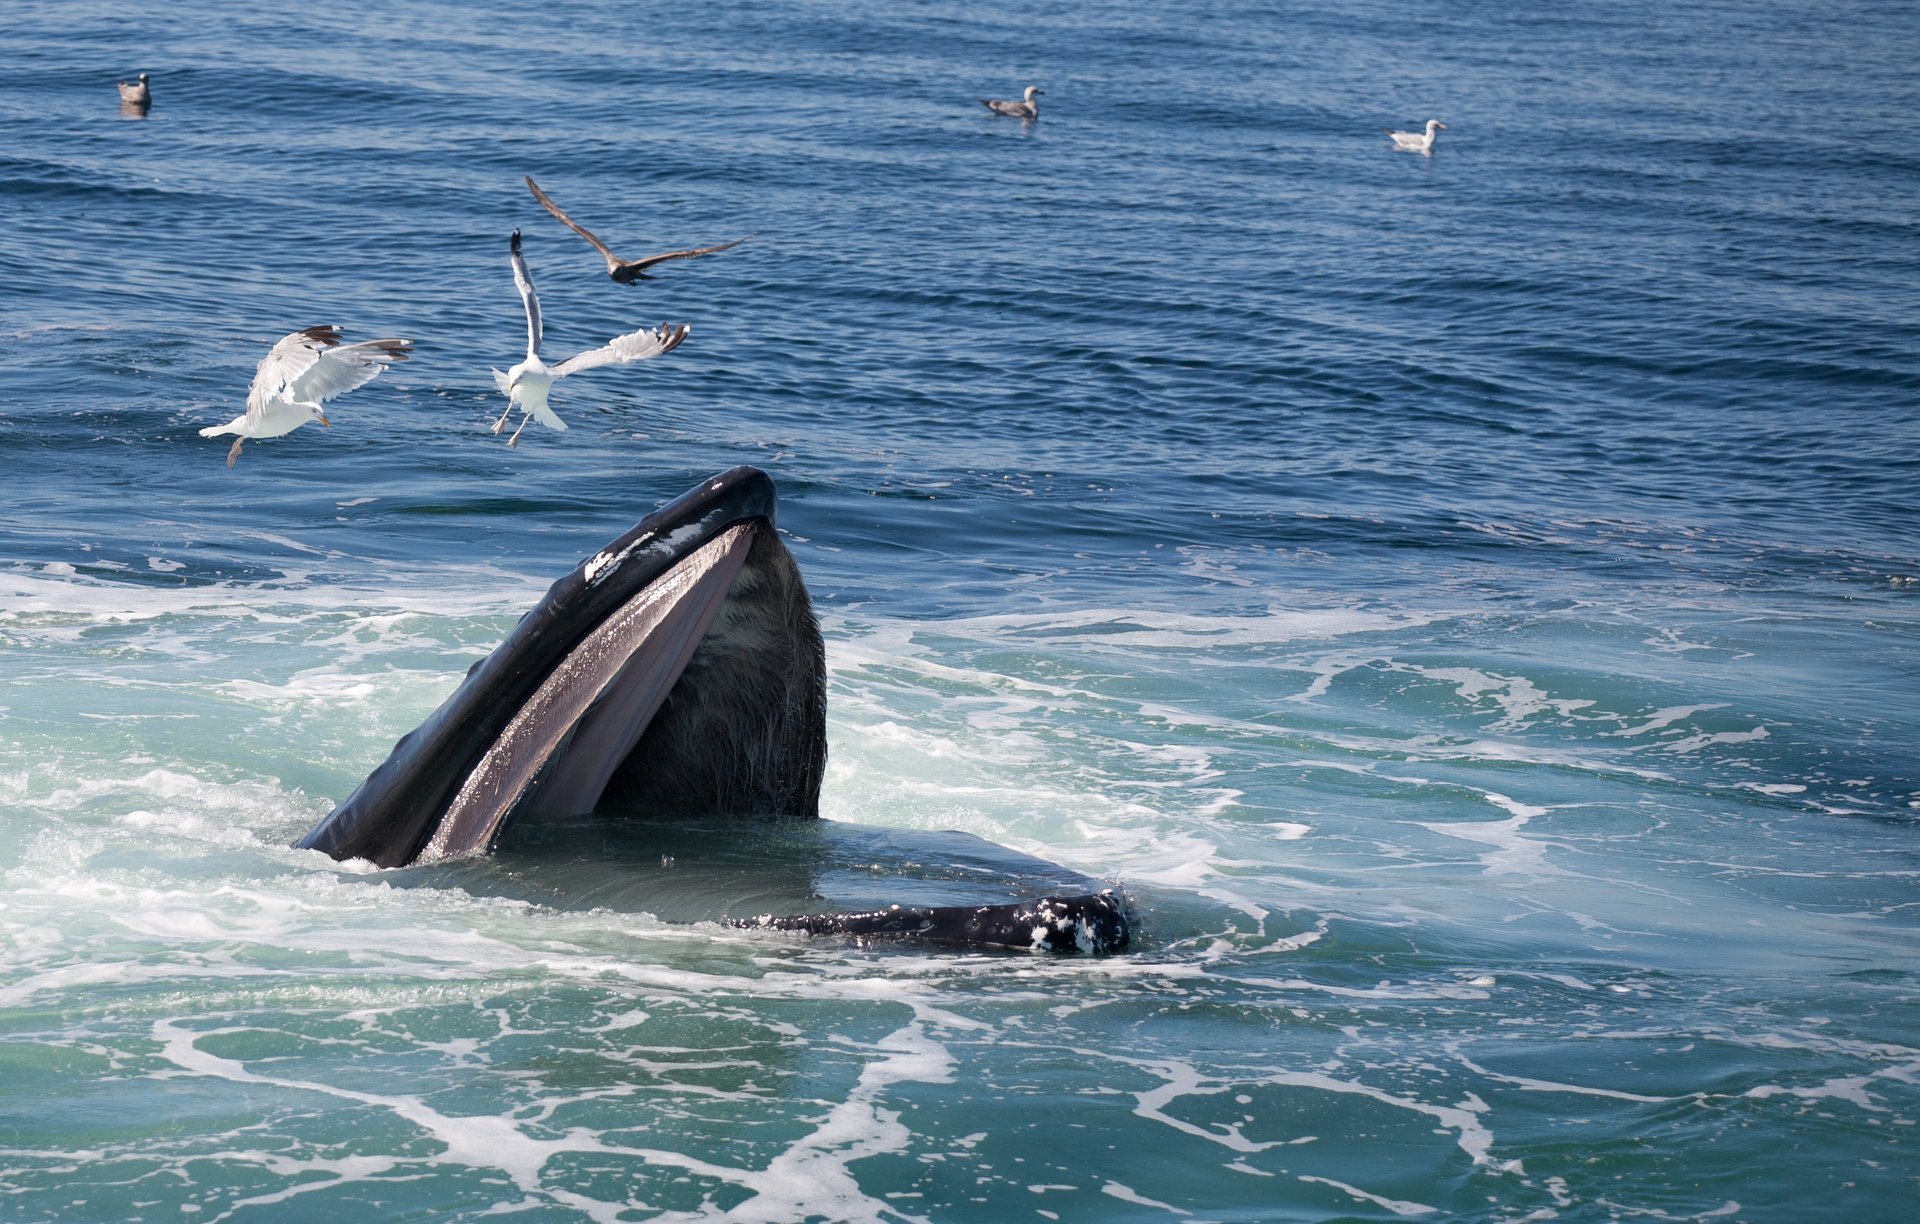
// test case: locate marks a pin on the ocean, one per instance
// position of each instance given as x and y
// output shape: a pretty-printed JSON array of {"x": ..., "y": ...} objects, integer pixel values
[{"x": 1466, "y": 603}]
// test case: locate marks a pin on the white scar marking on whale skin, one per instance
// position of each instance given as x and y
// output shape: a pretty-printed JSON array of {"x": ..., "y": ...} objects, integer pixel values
[{"x": 606, "y": 560}]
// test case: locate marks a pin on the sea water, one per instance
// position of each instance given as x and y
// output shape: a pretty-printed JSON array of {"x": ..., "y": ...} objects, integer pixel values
[{"x": 1467, "y": 603}]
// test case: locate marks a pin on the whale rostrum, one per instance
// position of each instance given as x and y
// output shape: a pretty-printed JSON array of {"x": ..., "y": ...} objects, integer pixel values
[{"x": 678, "y": 673}]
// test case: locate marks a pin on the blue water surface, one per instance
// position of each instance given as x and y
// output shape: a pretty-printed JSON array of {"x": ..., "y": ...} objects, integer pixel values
[{"x": 1467, "y": 602}]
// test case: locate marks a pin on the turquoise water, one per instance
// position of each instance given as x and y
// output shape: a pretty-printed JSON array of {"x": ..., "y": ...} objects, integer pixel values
[{"x": 1467, "y": 602}]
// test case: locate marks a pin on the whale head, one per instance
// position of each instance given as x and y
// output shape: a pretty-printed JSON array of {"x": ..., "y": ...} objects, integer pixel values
[{"x": 677, "y": 672}]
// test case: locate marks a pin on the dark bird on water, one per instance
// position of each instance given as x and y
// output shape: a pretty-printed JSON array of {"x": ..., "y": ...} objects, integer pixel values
[
  {"x": 624, "y": 271},
  {"x": 1026, "y": 109}
]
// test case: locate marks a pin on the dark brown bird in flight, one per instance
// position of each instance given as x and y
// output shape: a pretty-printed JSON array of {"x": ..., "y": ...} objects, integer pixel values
[{"x": 624, "y": 271}]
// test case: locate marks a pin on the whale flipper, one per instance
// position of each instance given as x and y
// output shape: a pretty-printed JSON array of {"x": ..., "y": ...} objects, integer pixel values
[{"x": 1096, "y": 923}]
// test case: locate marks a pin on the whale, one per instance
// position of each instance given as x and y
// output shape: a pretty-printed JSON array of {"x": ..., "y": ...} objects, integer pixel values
[{"x": 676, "y": 674}]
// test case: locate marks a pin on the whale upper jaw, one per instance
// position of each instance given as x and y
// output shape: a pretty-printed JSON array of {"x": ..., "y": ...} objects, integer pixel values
[{"x": 679, "y": 670}]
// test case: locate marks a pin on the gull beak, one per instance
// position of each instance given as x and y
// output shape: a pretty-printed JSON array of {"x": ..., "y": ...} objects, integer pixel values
[{"x": 322, "y": 418}]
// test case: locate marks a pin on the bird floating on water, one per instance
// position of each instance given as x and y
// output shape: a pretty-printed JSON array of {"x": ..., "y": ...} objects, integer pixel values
[
  {"x": 1026, "y": 109},
  {"x": 1415, "y": 142},
  {"x": 526, "y": 385},
  {"x": 136, "y": 94},
  {"x": 300, "y": 373},
  {"x": 624, "y": 271}
]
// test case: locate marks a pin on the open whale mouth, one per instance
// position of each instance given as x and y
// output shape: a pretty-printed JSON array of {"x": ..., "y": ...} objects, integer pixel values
[
  {"x": 559, "y": 750},
  {"x": 678, "y": 672}
]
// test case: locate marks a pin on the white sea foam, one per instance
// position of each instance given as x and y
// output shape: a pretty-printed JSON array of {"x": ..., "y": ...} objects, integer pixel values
[
  {"x": 809, "y": 1178},
  {"x": 56, "y": 592},
  {"x": 1518, "y": 698},
  {"x": 1140, "y": 629},
  {"x": 1399, "y": 1207},
  {"x": 1127, "y": 1194},
  {"x": 1513, "y": 852},
  {"x": 1529, "y": 1084},
  {"x": 1694, "y": 743},
  {"x": 1661, "y": 719},
  {"x": 1181, "y": 1079}
]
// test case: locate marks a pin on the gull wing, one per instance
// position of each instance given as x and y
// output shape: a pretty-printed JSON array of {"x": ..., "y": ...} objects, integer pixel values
[
  {"x": 285, "y": 362},
  {"x": 547, "y": 203},
  {"x": 640, "y": 265},
  {"x": 340, "y": 370},
  {"x": 623, "y": 270},
  {"x": 634, "y": 346},
  {"x": 528, "y": 298}
]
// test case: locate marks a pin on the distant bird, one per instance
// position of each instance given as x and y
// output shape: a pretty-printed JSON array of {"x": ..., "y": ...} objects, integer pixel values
[
  {"x": 302, "y": 372},
  {"x": 136, "y": 94},
  {"x": 1027, "y": 109},
  {"x": 625, "y": 271},
  {"x": 1414, "y": 142},
  {"x": 526, "y": 385}
]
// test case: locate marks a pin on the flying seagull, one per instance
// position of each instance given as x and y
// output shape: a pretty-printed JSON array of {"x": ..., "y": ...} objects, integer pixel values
[
  {"x": 136, "y": 94},
  {"x": 1414, "y": 142},
  {"x": 625, "y": 271},
  {"x": 302, "y": 372},
  {"x": 526, "y": 385},
  {"x": 1026, "y": 109}
]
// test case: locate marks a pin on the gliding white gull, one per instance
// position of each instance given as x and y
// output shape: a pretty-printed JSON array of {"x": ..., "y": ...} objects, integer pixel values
[
  {"x": 526, "y": 385},
  {"x": 1026, "y": 109},
  {"x": 300, "y": 373},
  {"x": 1414, "y": 142}
]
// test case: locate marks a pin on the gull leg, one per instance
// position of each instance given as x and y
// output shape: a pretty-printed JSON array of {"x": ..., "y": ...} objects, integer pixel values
[
  {"x": 235, "y": 452},
  {"x": 502, "y": 422},
  {"x": 515, "y": 439}
]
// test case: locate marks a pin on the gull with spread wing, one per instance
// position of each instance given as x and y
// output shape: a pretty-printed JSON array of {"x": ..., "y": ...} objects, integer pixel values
[
  {"x": 527, "y": 384},
  {"x": 625, "y": 271},
  {"x": 299, "y": 374}
]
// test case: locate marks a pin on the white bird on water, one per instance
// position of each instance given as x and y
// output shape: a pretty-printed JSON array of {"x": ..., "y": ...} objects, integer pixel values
[
  {"x": 1027, "y": 109},
  {"x": 300, "y": 373},
  {"x": 136, "y": 94},
  {"x": 526, "y": 385},
  {"x": 1415, "y": 142}
]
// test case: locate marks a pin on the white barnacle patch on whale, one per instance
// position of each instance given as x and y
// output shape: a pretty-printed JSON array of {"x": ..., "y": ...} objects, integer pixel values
[{"x": 598, "y": 563}]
